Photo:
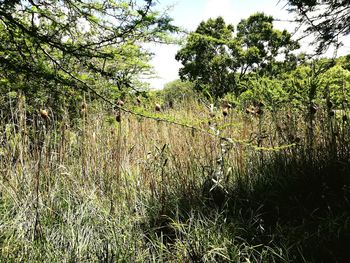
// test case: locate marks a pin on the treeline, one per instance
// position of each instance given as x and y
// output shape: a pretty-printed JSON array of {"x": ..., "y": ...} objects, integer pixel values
[
  {"x": 257, "y": 63},
  {"x": 59, "y": 55},
  {"x": 322, "y": 83}
]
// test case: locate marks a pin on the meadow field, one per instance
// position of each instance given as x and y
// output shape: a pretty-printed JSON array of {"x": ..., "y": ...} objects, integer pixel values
[
  {"x": 174, "y": 131},
  {"x": 268, "y": 187}
]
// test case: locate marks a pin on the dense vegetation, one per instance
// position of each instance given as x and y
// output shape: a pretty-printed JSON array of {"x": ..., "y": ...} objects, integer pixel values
[
  {"x": 217, "y": 61},
  {"x": 246, "y": 159}
]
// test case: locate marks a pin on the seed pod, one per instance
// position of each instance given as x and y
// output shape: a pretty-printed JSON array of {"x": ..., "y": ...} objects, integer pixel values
[
  {"x": 225, "y": 104},
  {"x": 118, "y": 116},
  {"x": 158, "y": 107},
  {"x": 193, "y": 132},
  {"x": 211, "y": 111},
  {"x": 120, "y": 103},
  {"x": 83, "y": 107},
  {"x": 313, "y": 109},
  {"x": 258, "y": 111},
  {"x": 44, "y": 114},
  {"x": 251, "y": 109}
]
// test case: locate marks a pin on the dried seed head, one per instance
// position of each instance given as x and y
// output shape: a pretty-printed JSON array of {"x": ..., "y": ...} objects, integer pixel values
[
  {"x": 313, "y": 109},
  {"x": 118, "y": 116},
  {"x": 158, "y": 107},
  {"x": 44, "y": 114},
  {"x": 251, "y": 109},
  {"x": 225, "y": 104},
  {"x": 211, "y": 111},
  {"x": 258, "y": 111},
  {"x": 211, "y": 108},
  {"x": 120, "y": 103},
  {"x": 254, "y": 110},
  {"x": 83, "y": 107}
]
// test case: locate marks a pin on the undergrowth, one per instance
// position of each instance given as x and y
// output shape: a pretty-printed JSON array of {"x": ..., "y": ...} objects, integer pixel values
[{"x": 97, "y": 190}]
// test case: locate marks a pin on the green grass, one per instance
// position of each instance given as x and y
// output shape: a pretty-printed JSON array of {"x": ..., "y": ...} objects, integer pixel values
[{"x": 143, "y": 191}]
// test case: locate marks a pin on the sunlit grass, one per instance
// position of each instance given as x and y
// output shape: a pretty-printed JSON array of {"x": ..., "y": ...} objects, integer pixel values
[{"x": 150, "y": 191}]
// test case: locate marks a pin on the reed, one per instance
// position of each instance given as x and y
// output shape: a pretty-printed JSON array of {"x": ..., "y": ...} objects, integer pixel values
[{"x": 102, "y": 189}]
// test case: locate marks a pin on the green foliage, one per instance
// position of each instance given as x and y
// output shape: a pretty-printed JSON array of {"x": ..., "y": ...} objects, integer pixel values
[
  {"x": 296, "y": 84},
  {"x": 178, "y": 91},
  {"x": 150, "y": 191},
  {"x": 264, "y": 90},
  {"x": 261, "y": 44},
  {"x": 53, "y": 51},
  {"x": 318, "y": 82},
  {"x": 337, "y": 82},
  {"x": 194, "y": 185},
  {"x": 323, "y": 83},
  {"x": 205, "y": 58},
  {"x": 213, "y": 55}
]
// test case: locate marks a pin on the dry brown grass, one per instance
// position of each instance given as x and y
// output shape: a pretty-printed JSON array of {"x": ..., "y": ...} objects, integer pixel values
[{"x": 163, "y": 184}]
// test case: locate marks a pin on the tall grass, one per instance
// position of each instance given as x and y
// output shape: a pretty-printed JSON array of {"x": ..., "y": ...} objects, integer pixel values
[{"x": 96, "y": 190}]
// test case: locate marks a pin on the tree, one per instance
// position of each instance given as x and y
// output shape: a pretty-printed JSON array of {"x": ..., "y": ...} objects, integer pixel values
[
  {"x": 216, "y": 60},
  {"x": 262, "y": 46},
  {"x": 63, "y": 46},
  {"x": 328, "y": 19},
  {"x": 205, "y": 58},
  {"x": 178, "y": 91}
]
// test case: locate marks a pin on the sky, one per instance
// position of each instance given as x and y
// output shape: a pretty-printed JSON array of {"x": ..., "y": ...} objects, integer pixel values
[{"x": 189, "y": 13}]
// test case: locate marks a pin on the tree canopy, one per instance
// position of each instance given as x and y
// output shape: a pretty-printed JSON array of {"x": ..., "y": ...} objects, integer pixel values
[
  {"x": 77, "y": 44},
  {"x": 216, "y": 59},
  {"x": 329, "y": 19},
  {"x": 261, "y": 44},
  {"x": 205, "y": 57}
]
